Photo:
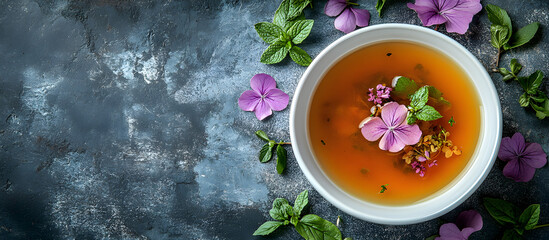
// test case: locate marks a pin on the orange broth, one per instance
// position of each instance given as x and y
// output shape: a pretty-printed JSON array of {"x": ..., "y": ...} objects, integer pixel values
[{"x": 340, "y": 103}]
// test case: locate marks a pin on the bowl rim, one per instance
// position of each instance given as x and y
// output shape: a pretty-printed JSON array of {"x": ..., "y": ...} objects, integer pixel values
[{"x": 487, "y": 147}]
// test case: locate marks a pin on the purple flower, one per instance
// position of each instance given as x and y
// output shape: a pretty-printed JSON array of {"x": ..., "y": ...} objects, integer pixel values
[
  {"x": 468, "y": 221},
  {"x": 522, "y": 158},
  {"x": 264, "y": 97},
  {"x": 348, "y": 17},
  {"x": 392, "y": 127},
  {"x": 457, "y": 14},
  {"x": 424, "y": 158},
  {"x": 382, "y": 92},
  {"x": 418, "y": 168}
]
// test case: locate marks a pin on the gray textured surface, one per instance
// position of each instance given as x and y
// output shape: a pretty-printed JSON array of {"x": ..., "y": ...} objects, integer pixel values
[{"x": 119, "y": 120}]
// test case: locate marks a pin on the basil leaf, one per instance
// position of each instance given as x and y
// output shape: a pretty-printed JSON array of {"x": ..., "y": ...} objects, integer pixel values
[
  {"x": 379, "y": 6},
  {"x": 523, "y": 81},
  {"x": 524, "y": 100},
  {"x": 262, "y": 135},
  {"x": 269, "y": 32},
  {"x": 419, "y": 98},
  {"x": 275, "y": 53},
  {"x": 266, "y": 153},
  {"x": 498, "y": 16},
  {"x": 278, "y": 212},
  {"x": 282, "y": 13},
  {"x": 294, "y": 221},
  {"x": 539, "y": 96},
  {"x": 522, "y": 36},
  {"x": 534, "y": 81},
  {"x": 437, "y": 95},
  {"x": 288, "y": 211},
  {"x": 405, "y": 87},
  {"x": 510, "y": 234},
  {"x": 297, "y": 7},
  {"x": 498, "y": 35},
  {"x": 530, "y": 217},
  {"x": 300, "y": 30},
  {"x": 267, "y": 228},
  {"x": 300, "y": 56},
  {"x": 301, "y": 202},
  {"x": 428, "y": 113},
  {"x": 515, "y": 66},
  {"x": 281, "y": 159},
  {"x": 313, "y": 227},
  {"x": 501, "y": 210}
]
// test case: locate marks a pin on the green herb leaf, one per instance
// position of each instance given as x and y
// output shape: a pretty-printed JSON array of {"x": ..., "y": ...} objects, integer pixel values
[
  {"x": 419, "y": 98},
  {"x": 266, "y": 153},
  {"x": 428, "y": 113},
  {"x": 541, "y": 111},
  {"x": 383, "y": 188},
  {"x": 300, "y": 56},
  {"x": 522, "y": 36},
  {"x": 534, "y": 81},
  {"x": 281, "y": 159},
  {"x": 501, "y": 210},
  {"x": 499, "y": 35},
  {"x": 515, "y": 66},
  {"x": 379, "y": 6},
  {"x": 437, "y": 95},
  {"x": 269, "y": 32},
  {"x": 405, "y": 87},
  {"x": 432, "y": 237},
  {"x": 524, "y": 100},
  {"x": 275, "y": 53},
  {"x": 301, "y": 202},
  {"x": 510, "y": 234},
  {"x": 294, "y": 221},
  {"x": 267, "y": 228},
  {"x": 300, "y": 30},
  {"x": 278, "y": 212},
  {"x": 262, "y": 135},
  {"x": 411, "y": 118},
  {"x": 451, "y": 121},
  {"x": 507, "y": 77},
  {"x": 498, "y": 16},
  {"x": 523, "y": 81},
  {"x": 530, "y": 217},
  {"x": 282, "y": 13},
  {"x": 313, "y": 227},
  {"x": 297, "y": 7},
  {"x": 504, "y": 71}
]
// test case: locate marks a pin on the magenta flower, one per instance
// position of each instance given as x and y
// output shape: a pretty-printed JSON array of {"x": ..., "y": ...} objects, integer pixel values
[
  {"x": 424, "y": 158},
  {"x": 392, "y": 127},
  {"x": 264, "y": 97},
  {"x": 457, "y": 14},
  {"x": 382, "y": 92},
  {"x": 467, "y": 223},
  {"x": 522, "y": 158},
  {"x": 349, "y": 17},
  {"x": 418, "y": 168}
]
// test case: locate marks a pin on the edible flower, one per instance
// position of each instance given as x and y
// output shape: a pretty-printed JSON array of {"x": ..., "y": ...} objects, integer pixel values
[
  {"x": 467, "y": 223},
  {"x": 349, "y": 17},
  {"x": 382, "y": 92},
  {"x": 392, "y": 128},
  {"x": 264, "y": 97},
  {"x": 424, "y": 158},
  {"x": 522, "y": 158},
  {"x": 456, "y": 14}
]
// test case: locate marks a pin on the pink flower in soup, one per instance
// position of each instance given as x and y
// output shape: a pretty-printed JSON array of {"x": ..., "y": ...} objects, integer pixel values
[
  {"x": 392, "y": 128},
  {"x": 349, "y": 17},
  {"x": 522, "y": 158},
  {"x": 381, "y": 92},
  {"x": 456, "y": 14},
  {"x": 467, "y": 223},
  {"x": 264, "y": 97}
]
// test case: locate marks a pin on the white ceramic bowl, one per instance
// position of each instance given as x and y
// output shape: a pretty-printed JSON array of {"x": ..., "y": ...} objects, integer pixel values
[{"x": 444, "y": 200}]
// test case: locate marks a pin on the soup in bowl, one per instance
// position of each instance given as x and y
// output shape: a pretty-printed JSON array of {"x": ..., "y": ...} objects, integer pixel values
[{"x": 368, "y": 143}]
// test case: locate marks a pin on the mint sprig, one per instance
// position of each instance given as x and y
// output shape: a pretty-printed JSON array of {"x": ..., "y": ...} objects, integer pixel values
[
  {"x": 310, "y": 226},
  {"x": 502, "y": 36},
  {"x": 266, "y": 151},
  {"x": 508, "y": 215},
  {"x": 419, "y": 108},
  {"x": 405, "y": 87},
  {"x": 288, "y": 29}
]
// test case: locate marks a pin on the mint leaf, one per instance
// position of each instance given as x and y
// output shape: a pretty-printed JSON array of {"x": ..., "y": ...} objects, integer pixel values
[
  {"x": 411, "y": 118},
  {"x": 515, "y": 66},
  {"x": 501, "y": 210},
  {"x": 262, "y": 135},
  {"x": 379, "y": 6},
  {"x": 290, "y": 23},
  {"x": 498, "y": 16},
  {"x": 269, "y": 32},
  {"x": 419, "y": 98},
  {"x": 274, "y": 53},
  {"x": 300, "y": 30},
  {"x": 297, "y": 7},
  {"x": 278, "y": 211},
  {"x": 300, "y": 56},
  {"x": 428, "y": 113},
  {"x": 541, "y": 111},
  {"x": 405, "y": 87},
  {"x": 313, "y": 227},
  {"x": 510, "y": 234},
  {"x": 282, "y": 13},
  {"x": 266, "y": 153},
  {"x": 437, "y": 95},
  {"x": 281, "y": 159},
  {"x": 301, "y": 202},
  {"x": 267, "y": 228},
  {"x": 383, "y": 188},
  {"x": 451, "y": 121},
  {"x": 534, "y": 81},
  {"x": 524, "y": 100},
  {"x": 522, "y": 36},
  {"x": 530, "y": 217},
  {"x": 499, "y": 35}
]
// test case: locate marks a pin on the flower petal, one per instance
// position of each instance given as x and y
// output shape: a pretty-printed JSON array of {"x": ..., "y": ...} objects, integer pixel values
[
  {"x": 262, "y": 110},
  {"x": 277, "y": 99},
  {"x": 393, "y": 114},
  {"x": 334, "y": 7},
  {"x": 427, "y": 13},
  {"x": 469, "y": 219},
  {"x": 362, "y": 17},
  {"x": 373, "y": 129},
  {"x": 461, "y": 15},
  {"x": 449, "y": 231},
  {"x": 518, "y": 171},
  {"x": 390, "y": 142},
  {"x": 248, "y": 100},
  {"x": 408, "y": 134},
  {"x": 466, "y": 232},
  {"x": 534, "y": 155},
  {"x": 508, "y": 150},
  {"x": 261, "y": 83},
  {"x": 346, "y": 22}
]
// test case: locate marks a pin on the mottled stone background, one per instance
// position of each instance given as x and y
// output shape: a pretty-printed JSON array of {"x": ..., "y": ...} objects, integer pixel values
[{"x": 119, "y": 120}]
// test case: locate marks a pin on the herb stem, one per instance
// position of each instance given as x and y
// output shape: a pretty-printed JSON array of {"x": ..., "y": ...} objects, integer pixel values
[
  {"x": 352, "y": 3},
  {"x": 284, "y": 143},
  {"x": 540, "y": 226},
  {"x": 495, "y": 68}
]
